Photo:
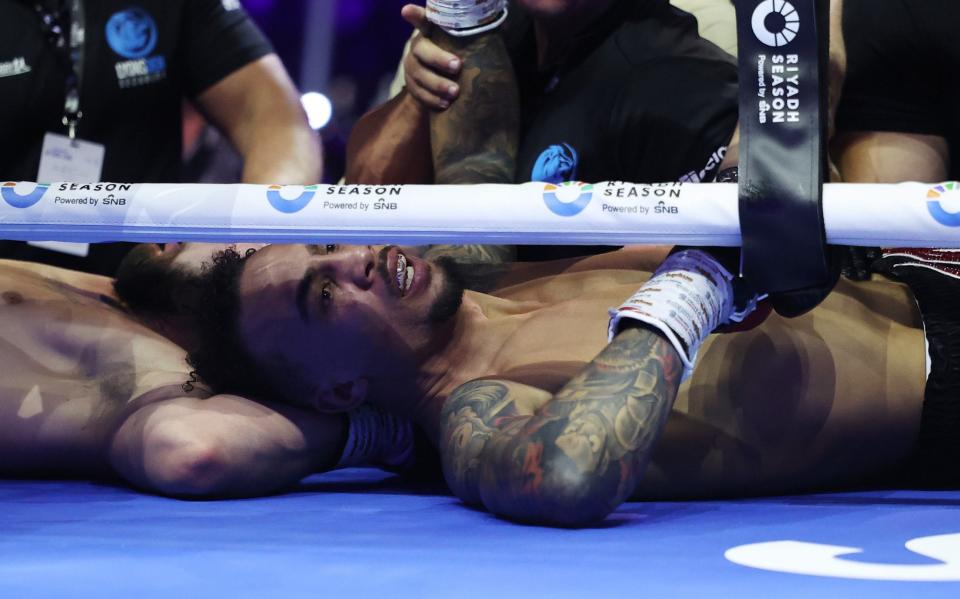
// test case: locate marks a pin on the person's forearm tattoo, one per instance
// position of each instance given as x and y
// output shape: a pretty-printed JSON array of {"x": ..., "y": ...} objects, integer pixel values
[
  {"x": 581, "y": 454},
  {"x": 475, "y": 140}
]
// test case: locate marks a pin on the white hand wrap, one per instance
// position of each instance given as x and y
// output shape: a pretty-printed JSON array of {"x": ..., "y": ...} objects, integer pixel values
[
  {"x": 688, "y": 297},
  {"x": 377, "y": 438},
  {"x": 461, "y": 18}
]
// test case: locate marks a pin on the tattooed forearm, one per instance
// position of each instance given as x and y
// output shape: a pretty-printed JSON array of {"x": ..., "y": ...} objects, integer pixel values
[
  {"x": 470, "y": 419},
  {"x": 473, "y": 254},
  {"x": 475, "y": 140},
  {"x": 581, "y": 454},
  {"x": 486, "y": 265}
]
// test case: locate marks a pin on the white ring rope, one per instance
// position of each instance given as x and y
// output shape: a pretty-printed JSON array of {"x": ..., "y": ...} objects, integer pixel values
[{"x": 902, "y": 215}]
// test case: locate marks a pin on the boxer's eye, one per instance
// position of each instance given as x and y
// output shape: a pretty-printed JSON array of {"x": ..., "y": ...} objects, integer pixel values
[
  {"x": 330, "y": 248},
  {"x": 326, "y": 295}
]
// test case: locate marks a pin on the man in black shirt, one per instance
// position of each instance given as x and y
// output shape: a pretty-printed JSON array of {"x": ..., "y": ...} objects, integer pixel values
[
  {"x": 899, "y": 118},
  {"x": 135, "y": 63},
  {"x": 611, "y": 90},
  {"x": 636, "y": 95}
]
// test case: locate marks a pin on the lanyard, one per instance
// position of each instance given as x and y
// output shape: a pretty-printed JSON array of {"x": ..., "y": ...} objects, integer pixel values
[{"x": 69, "y": 46}]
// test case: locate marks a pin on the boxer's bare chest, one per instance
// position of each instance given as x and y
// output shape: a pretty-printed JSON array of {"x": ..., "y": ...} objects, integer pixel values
[
  {"x": 564, "y": 323},
  {"x": 791, "y": 405},
  {"x": 72, "y": 360}
]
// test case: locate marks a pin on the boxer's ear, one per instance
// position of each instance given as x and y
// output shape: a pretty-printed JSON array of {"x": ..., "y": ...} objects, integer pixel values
[{"x": 341, "y": 397}]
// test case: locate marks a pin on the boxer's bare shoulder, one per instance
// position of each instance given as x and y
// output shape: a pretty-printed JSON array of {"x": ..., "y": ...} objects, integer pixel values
[{"x": 73, "y": 363}]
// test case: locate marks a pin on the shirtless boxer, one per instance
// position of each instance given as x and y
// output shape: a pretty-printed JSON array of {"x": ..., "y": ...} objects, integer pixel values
[
  {"x": 92, "y": 390},
  {"x": 529, "y": 426},
  {"x": 536, "y": 425}
]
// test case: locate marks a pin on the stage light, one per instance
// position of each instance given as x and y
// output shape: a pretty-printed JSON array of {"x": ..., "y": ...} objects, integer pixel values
[{"x": 318, "y": 109}]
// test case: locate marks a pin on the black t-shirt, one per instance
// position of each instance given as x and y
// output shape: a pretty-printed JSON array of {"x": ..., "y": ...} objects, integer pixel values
[
  {"x": 643, "y": 99},
  {"x": 140, "y": 59},
  {"x": 902, "y": 61}
]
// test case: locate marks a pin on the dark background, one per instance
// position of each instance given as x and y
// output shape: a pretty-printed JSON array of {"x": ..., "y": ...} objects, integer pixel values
[{"x": 347, "y": 50}]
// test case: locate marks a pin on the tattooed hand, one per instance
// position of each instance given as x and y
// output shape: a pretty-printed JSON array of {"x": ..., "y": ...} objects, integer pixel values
[{"x": 581, "y": 454}]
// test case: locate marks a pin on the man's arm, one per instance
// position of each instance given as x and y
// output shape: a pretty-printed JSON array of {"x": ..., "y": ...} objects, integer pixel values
[
  {"x": 889, "y": 157},
  {"x": 581, "y": 454},
  {"x": 224, "y": 446},
  {"x": 475, "y": 142},
  {"x": 390, "y": 145},
  {"x": 476, "y": 139},
  {"x": 259, "y": 109},
  {"x": 863, "y": 153}
]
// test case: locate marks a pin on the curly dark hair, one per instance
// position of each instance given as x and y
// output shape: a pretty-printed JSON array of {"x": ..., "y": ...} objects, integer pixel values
[{"x": 220, "y": 358}]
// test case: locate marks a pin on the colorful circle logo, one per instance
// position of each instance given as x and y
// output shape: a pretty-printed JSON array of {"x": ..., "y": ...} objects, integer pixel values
[
  {"x": 567, "y": 199},
  {"x": 286, "y": 206},
  {"x": 775, "y": 23},
  {"x": 132, "y": 33},
  {"x": 949, "y": 192},
  {"x": 18, "y": 200}
]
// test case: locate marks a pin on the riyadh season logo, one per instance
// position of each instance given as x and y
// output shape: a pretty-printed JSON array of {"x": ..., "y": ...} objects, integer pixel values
[
  {"x": 19, "y": 200},
  {"x": 949, "y": 193},
  {"x": 296, "y": 204},
  {"x": 567, "y": 199},
  {"x": 775, "y": 23}
]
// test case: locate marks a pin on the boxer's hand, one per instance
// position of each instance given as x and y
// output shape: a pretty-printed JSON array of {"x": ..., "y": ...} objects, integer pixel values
[
  {"x": 429, "y": 73},
  {"x": 379, "y": 438},
  {"x": 686, "y": 299}
]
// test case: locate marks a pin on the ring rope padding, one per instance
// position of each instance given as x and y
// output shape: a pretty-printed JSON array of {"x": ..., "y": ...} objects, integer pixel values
[{"x": 608, "y": 213}]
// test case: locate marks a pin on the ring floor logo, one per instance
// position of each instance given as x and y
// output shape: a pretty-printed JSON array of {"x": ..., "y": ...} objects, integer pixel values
[
  {"x": 132, "y": 33},
  {"x": 296, "y": 204},
  {"x": 775, "y": 23},
  {"x": 941, "y": 553},
  {"x": 567, "y": 199},
  {"x": 936, "y": 197},
  {"x": 19, "y": 200}
]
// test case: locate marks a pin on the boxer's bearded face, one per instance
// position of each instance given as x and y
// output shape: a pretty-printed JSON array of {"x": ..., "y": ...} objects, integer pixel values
[{"x": 333, "y": 316}]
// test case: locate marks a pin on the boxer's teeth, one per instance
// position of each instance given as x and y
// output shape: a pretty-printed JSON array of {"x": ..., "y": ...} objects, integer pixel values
[
  {"x": 409, "y": 280},
  {"x": 401, "y": 271}
]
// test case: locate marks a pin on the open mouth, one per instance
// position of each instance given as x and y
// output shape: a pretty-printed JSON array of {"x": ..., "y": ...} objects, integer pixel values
[{"x": 404, "y": 274}]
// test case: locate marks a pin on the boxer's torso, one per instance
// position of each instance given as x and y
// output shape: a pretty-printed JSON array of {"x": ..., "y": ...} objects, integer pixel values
[
  {"x": 821, "y": 400},
  {"x": 73, "y": 364}
]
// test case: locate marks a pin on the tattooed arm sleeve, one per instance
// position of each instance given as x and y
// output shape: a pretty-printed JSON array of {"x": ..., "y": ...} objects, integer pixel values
[
  {"x": 581, "y": 454},
  {"x": 472, "y": 254},
  {"x": 476, "y": 139}
]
